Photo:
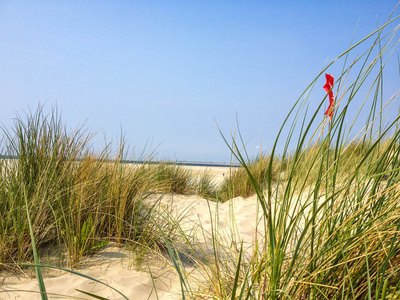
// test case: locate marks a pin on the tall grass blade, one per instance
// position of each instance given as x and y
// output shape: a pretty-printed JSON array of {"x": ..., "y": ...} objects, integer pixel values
[
  {"x": 176, "y": 261},
  {"x": 42, "y": 287},
  {"x": 236, "y": 281}
]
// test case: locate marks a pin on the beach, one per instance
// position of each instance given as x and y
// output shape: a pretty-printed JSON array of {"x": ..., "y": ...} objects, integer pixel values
[{"x": 234, "y": 220}]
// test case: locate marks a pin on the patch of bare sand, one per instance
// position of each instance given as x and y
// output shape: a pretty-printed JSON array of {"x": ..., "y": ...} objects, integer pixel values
[{"x": 112, "y": 265}]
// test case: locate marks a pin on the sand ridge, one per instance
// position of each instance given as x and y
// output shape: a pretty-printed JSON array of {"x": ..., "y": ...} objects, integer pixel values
[{"x": 234, "y": 221}]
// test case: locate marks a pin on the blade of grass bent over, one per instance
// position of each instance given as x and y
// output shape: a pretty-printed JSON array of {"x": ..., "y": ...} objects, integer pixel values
[{"x": 66, "y": 270}]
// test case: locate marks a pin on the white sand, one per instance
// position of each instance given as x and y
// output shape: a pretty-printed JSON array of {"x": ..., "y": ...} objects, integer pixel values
[
  {"x": 111, "y": 265},
  {"x": 114, "y": 266}
]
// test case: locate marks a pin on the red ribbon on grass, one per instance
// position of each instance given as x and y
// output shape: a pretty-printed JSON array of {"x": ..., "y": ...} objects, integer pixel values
[{"x": 328, "y": 88}]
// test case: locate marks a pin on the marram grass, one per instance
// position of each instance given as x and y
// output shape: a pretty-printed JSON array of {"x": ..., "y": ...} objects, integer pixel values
[
  {"x": 76, "y": 199},
  {"x": 332, "y": 216},
  {"x": 330, "y": 205}
]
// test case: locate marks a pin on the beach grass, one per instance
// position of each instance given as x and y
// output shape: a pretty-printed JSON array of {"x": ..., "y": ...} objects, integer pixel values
[
  {"x": 332, "y": 220},
  {"x": 76, "y": 199},
  {"x": 329, "y": 201}
]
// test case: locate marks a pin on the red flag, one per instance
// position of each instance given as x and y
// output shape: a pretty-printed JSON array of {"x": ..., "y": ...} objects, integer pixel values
[{"x": 328, "y": 88}]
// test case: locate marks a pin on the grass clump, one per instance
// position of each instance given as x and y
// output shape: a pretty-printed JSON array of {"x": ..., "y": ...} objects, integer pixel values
[
  {"x": 173, "y": 178},
  {"x": 75, "y": 199},
  {"x": 206, "y": 187},
  {"x": 239, "y": 183}
]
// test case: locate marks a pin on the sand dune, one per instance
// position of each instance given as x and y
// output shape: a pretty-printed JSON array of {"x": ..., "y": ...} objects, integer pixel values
[{"x": 236, "y": 222}]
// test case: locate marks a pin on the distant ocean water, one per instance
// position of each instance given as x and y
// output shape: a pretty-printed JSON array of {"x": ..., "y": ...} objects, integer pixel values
[{"x": 181, "y": 163}]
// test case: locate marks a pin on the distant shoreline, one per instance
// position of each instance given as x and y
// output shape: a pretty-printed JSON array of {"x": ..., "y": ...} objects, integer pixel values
[{"x": 180, "y": 163}]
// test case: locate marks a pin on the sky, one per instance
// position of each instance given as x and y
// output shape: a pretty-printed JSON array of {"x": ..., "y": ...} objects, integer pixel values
[{"x": 169, "y": 75}]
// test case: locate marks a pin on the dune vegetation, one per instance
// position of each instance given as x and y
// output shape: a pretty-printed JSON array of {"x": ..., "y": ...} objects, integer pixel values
[
  {"x": 79, "y": 200},
  {"x": 330, "y": 199}
]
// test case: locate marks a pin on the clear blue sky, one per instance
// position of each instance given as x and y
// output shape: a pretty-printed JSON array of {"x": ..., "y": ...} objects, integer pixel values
[{"x": 162, "y": 71}]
